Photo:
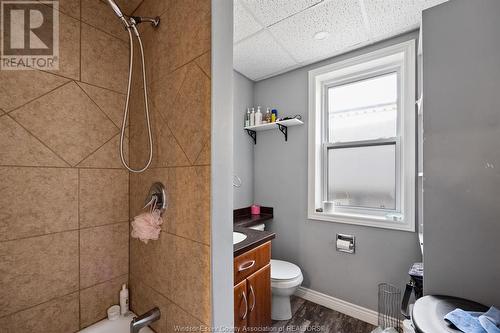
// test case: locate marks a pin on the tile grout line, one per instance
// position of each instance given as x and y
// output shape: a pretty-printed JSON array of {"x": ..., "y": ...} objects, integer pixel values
[
  {"x": 80, "y": 24},
  {"x": 68, "y": 165},
  {"x": 62, "y": 231},
  {"x": 42, "y": 95},
  {"x": 61, "y": 296},
  {"x": 172, "y": 301},
  {"x": 63, "y": 167},
  {"x": 97, "y": 105},
  {"x": 166, "y": 121},
  {"x": 79, "y": 264},
  {"x": 78, "y": 193},
  {"x": 38, "y": 304}
]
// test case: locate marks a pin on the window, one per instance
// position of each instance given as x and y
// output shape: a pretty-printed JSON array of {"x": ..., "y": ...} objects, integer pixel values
[{"x": 362, "y": 140}]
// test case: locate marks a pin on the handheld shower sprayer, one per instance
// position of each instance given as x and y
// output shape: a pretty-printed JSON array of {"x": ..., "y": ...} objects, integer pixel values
[{"x": 130, "y": 23}]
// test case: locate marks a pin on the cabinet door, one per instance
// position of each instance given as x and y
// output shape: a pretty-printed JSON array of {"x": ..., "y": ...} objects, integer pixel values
[
  {"x": 240, "y": 305},
  {"x": 259, "y": 298}
]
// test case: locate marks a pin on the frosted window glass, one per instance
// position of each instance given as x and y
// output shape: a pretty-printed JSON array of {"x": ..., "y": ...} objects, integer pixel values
[
  {"x": 363, "y": 110},
  {"x": 363, "y": 176}
]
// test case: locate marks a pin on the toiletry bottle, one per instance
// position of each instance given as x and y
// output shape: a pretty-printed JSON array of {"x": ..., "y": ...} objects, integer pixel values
[
  {"x": 268, "y": 116},
  {"x": 252, "y": 117},
  {"x": 258, "y": 116},
  {"x": 247, "y": 118},
  {"x": 274, "y": 115},
  {"x": 124, "y": 300}
]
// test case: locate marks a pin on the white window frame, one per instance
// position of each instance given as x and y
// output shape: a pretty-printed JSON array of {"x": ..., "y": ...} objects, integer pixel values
[{"x": 398, "y": 58}]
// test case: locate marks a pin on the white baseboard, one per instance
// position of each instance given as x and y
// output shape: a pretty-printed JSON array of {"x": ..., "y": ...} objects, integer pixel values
[{"x": 339, "y": 305}]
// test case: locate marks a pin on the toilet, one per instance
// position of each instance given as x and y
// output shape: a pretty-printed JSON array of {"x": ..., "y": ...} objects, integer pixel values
[{"x": 285, "y": 280}]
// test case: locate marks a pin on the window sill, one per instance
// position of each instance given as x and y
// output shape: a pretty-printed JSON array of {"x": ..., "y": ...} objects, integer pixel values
[{"x": 366, "y": 221}]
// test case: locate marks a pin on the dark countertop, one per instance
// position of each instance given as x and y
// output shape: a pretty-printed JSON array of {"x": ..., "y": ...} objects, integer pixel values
[
  {"x": 242, "y": 220},
  {"x": 254, "y": 239}
]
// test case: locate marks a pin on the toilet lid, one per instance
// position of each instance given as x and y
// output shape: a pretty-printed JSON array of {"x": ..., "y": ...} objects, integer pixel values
[{"x": 282, "y": 270}]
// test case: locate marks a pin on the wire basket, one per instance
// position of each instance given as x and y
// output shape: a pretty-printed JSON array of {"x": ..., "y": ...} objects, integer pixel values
[{"x": 389, "y": 300}]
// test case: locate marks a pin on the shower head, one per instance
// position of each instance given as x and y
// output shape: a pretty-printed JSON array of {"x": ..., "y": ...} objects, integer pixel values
[
  {"x": 118, "y": 13},
  {"x": 115, "y": 8}
]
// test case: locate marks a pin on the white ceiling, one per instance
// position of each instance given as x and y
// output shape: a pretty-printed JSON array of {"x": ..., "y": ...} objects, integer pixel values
[{"x": 275, "y": 36}]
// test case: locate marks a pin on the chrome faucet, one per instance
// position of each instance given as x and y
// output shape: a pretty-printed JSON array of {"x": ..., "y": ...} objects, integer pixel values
[{"x": 144, "y": 320}]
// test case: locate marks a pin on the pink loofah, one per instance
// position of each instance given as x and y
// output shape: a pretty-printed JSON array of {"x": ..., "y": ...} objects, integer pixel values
[{"x": 146, "y": 226}]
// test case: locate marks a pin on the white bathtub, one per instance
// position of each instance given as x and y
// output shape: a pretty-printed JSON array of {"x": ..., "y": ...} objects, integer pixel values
[{"x": 120, "y": 325}]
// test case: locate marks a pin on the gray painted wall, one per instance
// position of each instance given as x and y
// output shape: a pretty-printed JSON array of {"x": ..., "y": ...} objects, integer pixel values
[
  {"x": 243, "y": 144},
  {"x": 461, "y": 44},
  {"x": 280, "y": 172}
]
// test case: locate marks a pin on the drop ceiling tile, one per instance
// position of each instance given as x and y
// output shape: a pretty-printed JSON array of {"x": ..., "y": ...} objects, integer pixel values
[
  {"x": 244, "y": 23},
  {"x": 269, "y": 12},
  {"x": 341, "y": 18},
  {"x": 260, "y": 56},
  {"x": 388, "y": 18}
]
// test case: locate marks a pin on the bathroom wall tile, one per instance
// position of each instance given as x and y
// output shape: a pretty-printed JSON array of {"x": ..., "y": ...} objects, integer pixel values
[
  {"x": 19, "y": 147},
  {"x": 69, "y": 47},
  {"x": 96, "y": 46},
  {"x": 110, "y": 102},
  {"x": 52, "y": 194},
  {"x": 108, "y": 156},
  {"x": 70, "y": 7},
  {"x": 94, "y": 301},
  {"x": 41, "y": 318},
  {"x": 103, "y": 197},
  {"x": 152, "y": 8},
  {"x": 153, "y": 263},
  {"x": 22, "y": 86},
  {"x": 192, "y": 262},
  {"x": 100, "y": 15},
  {"x": 178, "y": 319},
  {"x": 169, "y": 152},
  {"x": 194, "y": 96},
  {"x": 159, "y": 263},
  {"x": 205, "y": 63},
  {"x": 129, "y": 6},
  {"x": 103, "y": 253},
  {"x": 35, "y": 270},
  {"x": 165, "y": 90},
  {"x": 143, "y": 299},
  {"x": 188, "y": 213},
  {"x": 68, "y": 122},
  {"x": 204, "y": 157},
  {"x": 188, "y": 31}
]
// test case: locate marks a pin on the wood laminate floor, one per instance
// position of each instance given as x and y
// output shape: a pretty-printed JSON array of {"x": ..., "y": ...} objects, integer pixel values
[{"x": 311, "y": 317}]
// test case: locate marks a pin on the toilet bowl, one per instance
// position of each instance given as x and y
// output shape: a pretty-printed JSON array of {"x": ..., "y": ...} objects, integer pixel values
[{"x": 285, "y": 280}]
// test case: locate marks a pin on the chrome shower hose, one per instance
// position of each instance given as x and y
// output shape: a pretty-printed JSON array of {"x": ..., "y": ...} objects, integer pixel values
[{"x": 146, "y": 107}]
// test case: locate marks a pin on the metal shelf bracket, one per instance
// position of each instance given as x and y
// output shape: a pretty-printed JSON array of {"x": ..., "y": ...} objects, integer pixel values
[
  {"x": 283, "y": 129},
  {"x": 253, "y": 135}
]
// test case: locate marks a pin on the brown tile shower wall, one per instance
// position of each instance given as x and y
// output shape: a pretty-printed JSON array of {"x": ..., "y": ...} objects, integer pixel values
[
  {"x": 173, "y": 273},
  {"x": 64, "y": 196}
]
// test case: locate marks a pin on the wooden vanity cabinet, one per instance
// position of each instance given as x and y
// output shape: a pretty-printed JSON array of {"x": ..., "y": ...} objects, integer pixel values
[{"x": 252, "y": 291}]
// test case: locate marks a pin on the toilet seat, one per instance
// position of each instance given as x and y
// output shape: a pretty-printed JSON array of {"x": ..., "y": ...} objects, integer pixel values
[{"x": 283, "y": 271}]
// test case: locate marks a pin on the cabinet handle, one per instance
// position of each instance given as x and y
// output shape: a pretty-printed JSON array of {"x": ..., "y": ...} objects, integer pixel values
[
  {"x": 246, "y": 265},
  {"x": 253, "y": 297},
  {"x": 246, "y": 306}
]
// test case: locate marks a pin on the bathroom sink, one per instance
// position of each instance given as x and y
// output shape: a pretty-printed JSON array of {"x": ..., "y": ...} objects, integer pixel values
[{"x": 238, "y": 237}]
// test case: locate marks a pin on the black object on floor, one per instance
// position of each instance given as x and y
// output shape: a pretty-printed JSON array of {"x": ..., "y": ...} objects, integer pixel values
[
  {"x": 311, "y": 317},
  {"x": 429, "y": 311}
]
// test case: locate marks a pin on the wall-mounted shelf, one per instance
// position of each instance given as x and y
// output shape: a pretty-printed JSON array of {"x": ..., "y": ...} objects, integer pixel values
[{"x": 282, "y": 125}]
